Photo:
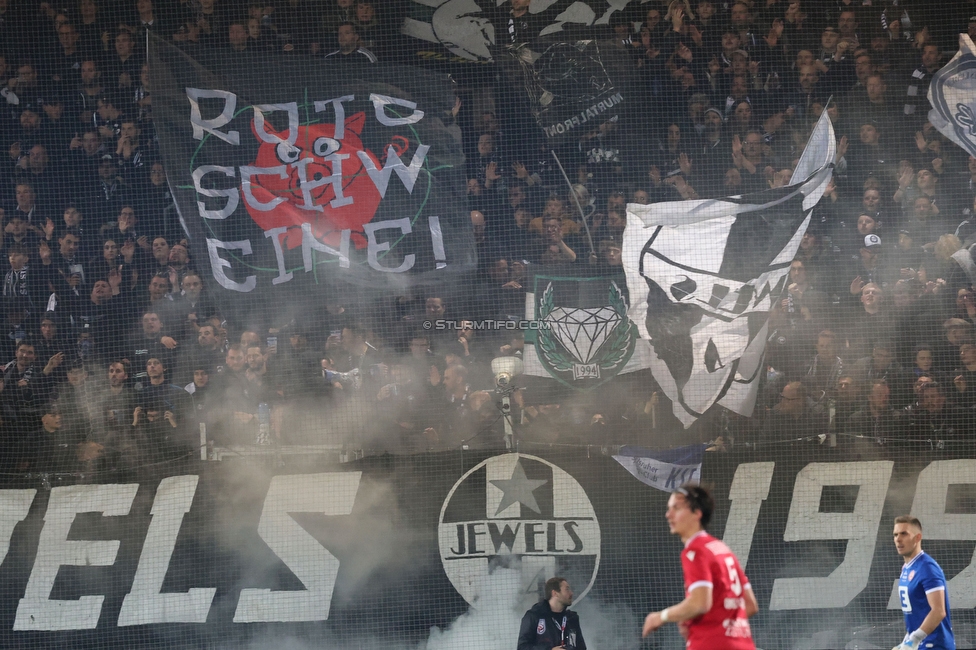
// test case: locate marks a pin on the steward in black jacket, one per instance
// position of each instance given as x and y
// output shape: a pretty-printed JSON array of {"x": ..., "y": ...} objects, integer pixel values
[{"x": 544, "y": 629}]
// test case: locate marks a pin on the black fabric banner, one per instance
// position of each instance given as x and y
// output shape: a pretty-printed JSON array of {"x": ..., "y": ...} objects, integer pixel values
[
  {"x": 377, "y": 552},
  {"x": 572, "y": 87},
  {"x": 294, "y": 174}
]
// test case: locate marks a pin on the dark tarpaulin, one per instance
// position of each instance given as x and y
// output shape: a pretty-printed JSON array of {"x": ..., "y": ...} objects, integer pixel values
[
  {"x": 572, "y": 86},
  {"x": 426, "y": 525}
]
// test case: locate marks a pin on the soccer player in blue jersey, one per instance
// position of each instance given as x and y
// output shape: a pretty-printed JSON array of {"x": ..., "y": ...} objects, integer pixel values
[{"x": 922, "y": 592}]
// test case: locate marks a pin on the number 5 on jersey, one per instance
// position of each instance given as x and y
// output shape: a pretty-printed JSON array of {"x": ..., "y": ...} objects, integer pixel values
[{"x": 734, "y": 576}]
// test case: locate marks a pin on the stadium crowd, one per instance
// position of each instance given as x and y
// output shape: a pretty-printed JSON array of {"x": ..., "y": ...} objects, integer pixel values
[{"x": 115, "y": 354}]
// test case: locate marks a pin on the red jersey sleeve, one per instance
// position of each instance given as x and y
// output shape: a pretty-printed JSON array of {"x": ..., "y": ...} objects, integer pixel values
[{"x": 696, "y": 564}]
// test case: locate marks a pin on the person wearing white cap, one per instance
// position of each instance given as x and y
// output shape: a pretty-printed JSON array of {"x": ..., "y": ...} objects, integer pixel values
[{"x": 868, "y": 268}]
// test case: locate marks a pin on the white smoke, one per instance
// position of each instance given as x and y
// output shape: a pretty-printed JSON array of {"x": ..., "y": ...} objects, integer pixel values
[
  {"x": 608, "y": 626},
  {"x": 493, "y": 623}
]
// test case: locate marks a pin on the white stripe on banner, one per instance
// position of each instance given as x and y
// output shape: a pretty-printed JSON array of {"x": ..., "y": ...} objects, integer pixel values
[{"x": 664, "y": 470}]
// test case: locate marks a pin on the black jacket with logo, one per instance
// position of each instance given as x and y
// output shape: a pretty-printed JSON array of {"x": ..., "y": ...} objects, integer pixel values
[{"x": 544, "y": 629}]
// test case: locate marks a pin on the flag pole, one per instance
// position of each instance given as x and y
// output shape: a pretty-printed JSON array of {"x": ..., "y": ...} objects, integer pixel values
[{"x": 579, "y": 207}]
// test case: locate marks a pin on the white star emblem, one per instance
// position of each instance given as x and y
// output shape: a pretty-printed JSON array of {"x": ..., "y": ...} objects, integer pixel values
[{"x": 518, "y": 489}]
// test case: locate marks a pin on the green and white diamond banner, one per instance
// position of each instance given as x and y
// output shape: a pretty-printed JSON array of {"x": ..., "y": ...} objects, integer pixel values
[{"x": 584, "y": 336}]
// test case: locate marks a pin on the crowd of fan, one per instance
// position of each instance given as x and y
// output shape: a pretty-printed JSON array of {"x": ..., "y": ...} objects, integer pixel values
[
  {"x": 873, "y": 339},
  {"x": 117, "y": 355}
]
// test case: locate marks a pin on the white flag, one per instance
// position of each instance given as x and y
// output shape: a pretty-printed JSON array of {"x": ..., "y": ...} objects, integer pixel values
[
  {"x": 952, "y": 94},
  {"x": 702, "y": 276}
]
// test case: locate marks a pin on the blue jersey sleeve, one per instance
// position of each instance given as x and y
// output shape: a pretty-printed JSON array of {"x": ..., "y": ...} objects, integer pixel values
[{"x": 931, "y": 577}]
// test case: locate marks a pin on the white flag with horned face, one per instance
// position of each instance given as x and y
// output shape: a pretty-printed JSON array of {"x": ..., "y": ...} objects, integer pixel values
[{"x": 702, "y": 276}]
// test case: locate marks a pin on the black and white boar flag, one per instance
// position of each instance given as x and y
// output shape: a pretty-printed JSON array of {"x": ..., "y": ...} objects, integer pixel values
[{"x": 702, "y": 276}]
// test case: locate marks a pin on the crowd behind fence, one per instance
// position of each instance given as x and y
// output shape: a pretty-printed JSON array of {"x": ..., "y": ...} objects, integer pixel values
[{"x": 116, "y": 356}]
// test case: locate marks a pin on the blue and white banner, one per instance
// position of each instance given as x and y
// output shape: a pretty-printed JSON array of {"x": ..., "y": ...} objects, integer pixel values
[
  {"x": 664, "y": 470},
  {"x": 952, "y": 94}
]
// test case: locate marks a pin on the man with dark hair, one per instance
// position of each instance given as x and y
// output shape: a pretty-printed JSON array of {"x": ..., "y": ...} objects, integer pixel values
[
  {"x": 233, "y": 407},
  {"x": 161, "y": 432},
  {"x": 357, "y": 352},
  {"x": 17, "y": 231},
  {"x": 108, "y": 118},
  {"x": 25, "y": 386},
  {"x": 50, "y": 342},
  {"x": 237, "y": 36},
  {"x": 123, "y": 229},
  {"x": 456, "y": 412},
  {"x": 130, "y": 155},
  {"x": 934, "y": 421},
  {"x": 161, "y": 301},
  {"x": 350, "y": 49},
  {"x": 76, "y": 398},
  {"x": 260, "y": 384},
  {"x": 107, "y": 193},
  {"x": 715, "y": 612},
  {"x": 881, "y": 365},
  {"x": 921, "y": 591},
  {"x": 916, "y": 87},
  {"x": 159, "y": 387},
  {"x": 65, "y": 66},
  {"x": 24, "y": 283},
  {"x": 877, "y": 420},
  {"x": 85, "y": 97},
  {"x": 71, "y": 277},
  {"x": 205, "y": 353},
  {"x": 56, "y": 446},
  {"x": 25, "y": 203},
  {"x": 550, "y": 624},
  {"x": 123, "y": 68},
  {"x": 149, "y": 343},
  {"x": 114, "y": 409},
  {"x": 71, "y": 221},
  {"x": 825, "y": 368}
]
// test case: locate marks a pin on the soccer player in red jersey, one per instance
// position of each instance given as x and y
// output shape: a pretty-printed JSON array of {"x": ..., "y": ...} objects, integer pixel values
[{"x": 718, "y": 598}]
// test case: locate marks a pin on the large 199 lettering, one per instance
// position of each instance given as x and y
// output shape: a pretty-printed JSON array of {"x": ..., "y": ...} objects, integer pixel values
[
  {"x": 929, "y": 505},
  {"x": 316, "y": 567},
  {"x": 859, "y": 528}
]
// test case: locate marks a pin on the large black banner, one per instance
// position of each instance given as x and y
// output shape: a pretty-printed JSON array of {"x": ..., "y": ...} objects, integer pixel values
[
  {"x": 292, "y": 173},
  {"x": 448, "y": 550}
]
